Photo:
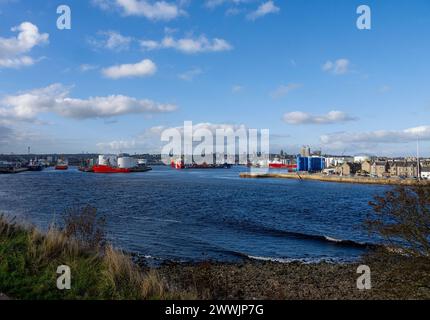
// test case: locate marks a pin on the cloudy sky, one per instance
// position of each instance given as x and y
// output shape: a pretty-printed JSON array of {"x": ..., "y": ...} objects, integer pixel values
[{"x": 128, "y": 69}]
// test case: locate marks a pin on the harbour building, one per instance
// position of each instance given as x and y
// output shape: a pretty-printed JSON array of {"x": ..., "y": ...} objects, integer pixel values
[{"x": 310, "y": 164}]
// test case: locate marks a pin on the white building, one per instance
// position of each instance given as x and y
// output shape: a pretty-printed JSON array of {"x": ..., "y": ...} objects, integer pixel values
[{"x": 336, "y": 161}]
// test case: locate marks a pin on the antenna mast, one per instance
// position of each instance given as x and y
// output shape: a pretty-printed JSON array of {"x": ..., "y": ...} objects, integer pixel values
[{"x": 418, "y": 159}]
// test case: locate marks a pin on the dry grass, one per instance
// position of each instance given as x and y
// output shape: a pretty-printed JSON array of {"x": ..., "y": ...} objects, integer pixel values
[{"x": 98, "y": 272}]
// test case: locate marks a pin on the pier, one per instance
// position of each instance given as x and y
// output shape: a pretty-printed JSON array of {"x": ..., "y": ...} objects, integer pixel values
[
  {"x": 12, "y": 170},
  {"x": 333, "y": 178}
]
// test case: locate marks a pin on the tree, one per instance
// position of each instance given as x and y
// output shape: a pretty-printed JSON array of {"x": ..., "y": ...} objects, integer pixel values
[{"x": 402, "y": 218}]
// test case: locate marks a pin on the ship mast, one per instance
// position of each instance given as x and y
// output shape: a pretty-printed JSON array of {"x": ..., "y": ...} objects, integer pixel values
[{"x": 418, "y": 159}]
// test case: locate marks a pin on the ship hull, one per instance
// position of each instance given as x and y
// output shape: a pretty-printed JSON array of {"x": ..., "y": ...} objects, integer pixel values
[
  {"x": 108, "y": 169},
  {"x": 61, "y": 168},
  {"x": 282, "y": 166}
]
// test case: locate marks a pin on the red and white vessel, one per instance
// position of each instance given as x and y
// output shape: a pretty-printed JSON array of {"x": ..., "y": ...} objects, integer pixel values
[
  {"x": 282, "y": 164},
  {"x": 122, "y": 163},
  {"x": 109, "y": 169},
  {"x": 177, "y": 164},
  {"x": 62, "y": 165}
]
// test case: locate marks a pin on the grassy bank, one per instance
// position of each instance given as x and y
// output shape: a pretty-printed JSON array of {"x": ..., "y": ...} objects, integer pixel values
[{"x": 29, "y": 261}]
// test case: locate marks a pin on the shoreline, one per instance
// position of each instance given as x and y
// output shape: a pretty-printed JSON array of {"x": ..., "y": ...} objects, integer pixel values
[
  {"x": 392, "y": 278},
  {"x": 30, "y": 259},
  {"x": 334, "y": 179}
]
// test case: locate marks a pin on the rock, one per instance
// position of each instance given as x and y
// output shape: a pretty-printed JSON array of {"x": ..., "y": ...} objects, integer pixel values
[{"x": 3, "y": 297}]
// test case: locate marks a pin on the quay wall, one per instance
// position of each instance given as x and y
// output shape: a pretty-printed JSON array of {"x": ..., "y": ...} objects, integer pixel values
[{"x": 338, "y": 179}]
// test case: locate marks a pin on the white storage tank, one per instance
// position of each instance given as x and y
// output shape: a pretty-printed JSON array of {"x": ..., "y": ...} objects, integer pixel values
[
  {"x": 127, "y": 162},
  {"x": 362, "y": 158},
  {"x": 108, "y": 159}
]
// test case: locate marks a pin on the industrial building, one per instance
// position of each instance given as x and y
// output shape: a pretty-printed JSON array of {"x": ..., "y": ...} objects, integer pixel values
[{"x": 310, "y": 164}]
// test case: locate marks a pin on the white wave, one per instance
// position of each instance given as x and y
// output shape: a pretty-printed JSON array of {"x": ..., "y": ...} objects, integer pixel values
[
  {"x": 332, "y": 239},
  {"x": 280, "y": 260}
]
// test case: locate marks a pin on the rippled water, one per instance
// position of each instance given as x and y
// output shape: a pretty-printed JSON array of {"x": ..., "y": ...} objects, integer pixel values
[{"x": 203, "y": 214}]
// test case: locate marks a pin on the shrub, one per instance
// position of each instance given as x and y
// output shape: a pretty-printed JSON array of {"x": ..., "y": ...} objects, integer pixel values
[
  {"x": 402, "y": 219},
  {"x": 85, "y": 226}
]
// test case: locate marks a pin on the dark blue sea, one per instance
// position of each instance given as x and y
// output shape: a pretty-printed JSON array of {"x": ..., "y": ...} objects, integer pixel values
[{"x": 194, "y": 215}]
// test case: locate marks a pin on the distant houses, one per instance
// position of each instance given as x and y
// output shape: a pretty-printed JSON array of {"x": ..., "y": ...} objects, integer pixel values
[
  {"x": 380, "y": 169},
  {"x": 403, "y": 169},
  {"x": 348, "y": 168}
]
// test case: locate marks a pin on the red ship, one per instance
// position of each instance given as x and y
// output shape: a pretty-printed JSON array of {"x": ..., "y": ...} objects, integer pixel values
[
  {"x": 109, "y": 169},
  {"x": 282, "y": 164},
  {"x": 178, "y": 164},
  {"x": 62, "y": 165}
]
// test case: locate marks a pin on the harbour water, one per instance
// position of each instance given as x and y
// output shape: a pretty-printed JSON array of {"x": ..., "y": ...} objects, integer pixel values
[{"x": 195, "y": 215}]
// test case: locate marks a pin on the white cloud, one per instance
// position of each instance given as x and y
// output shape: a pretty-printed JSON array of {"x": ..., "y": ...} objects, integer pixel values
[
  {"x": 87, "y": 67},
  {"x": 143, "y": 68},
  {"x": 6, "y": 134},
  {"x": 283, "y": 90},
  {"x": 152, "y": 10},
  {"x": 17, "y": 140},
  {"x": 264, "y": 9},
  {"x": 118, "y": 145},
  {"x": 338, "y": 67},
  {"x": 237, "y": 88},
  {"x": 190, "y": 74},
  {"x": 14, "y": 50},
  {"x": 188, "y": 45},
  {"x": 332, "y": 117},
  {"x": 56, "y": 99},
  {"x": 111, "y": 40},
  {"x": 103, "y": 4},
  {"x": 150, "y": 139},
  {"x": 216, "y": 3},
  {"x": 379, "y": 136},
  {"x": 384, "y": 89}
]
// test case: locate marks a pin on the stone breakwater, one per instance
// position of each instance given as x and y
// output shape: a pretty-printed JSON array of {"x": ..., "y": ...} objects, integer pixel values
[{"x": 338, "y": 179}]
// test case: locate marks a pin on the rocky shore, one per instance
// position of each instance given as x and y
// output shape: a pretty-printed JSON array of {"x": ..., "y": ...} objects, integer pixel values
[{"x": 391, "y": 277}]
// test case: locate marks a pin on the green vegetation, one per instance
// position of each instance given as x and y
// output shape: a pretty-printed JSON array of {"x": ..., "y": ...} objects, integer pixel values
[{"x": 29, "y": 261}]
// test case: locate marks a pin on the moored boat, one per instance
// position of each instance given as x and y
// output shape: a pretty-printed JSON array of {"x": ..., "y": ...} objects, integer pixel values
[
  {"x": 33, "y": 165},
  {"x": 110, "y": 169},
  {"x": 62, "y": 165},
  {"x": 282, "y": 164},
  {"x": 123, "y": 163}
]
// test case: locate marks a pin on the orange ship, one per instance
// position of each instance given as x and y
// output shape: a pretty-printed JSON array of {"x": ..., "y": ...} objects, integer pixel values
[{"x": 62, "y": 165}]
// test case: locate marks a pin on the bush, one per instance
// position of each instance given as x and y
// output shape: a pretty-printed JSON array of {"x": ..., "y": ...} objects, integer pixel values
[
  {"x": 85, "y": 226},
  {"x": 402, "y": 219}
]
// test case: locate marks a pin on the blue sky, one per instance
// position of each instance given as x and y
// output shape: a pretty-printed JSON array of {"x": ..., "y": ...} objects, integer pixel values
[{"x": 129, "y": 68}]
